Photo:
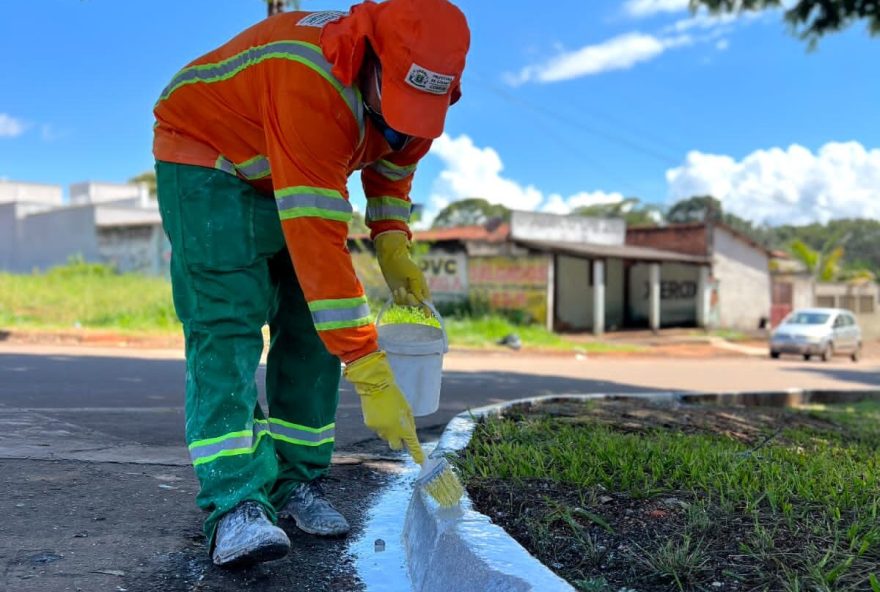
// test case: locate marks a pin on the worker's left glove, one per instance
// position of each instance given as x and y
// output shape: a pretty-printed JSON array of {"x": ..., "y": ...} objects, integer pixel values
[
  {"x": 404, "y": 278},
  {"x": 386, "y": 410}
]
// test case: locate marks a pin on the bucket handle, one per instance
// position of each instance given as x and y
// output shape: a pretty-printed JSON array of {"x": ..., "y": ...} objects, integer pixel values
[{"x": 433, "y": 310}]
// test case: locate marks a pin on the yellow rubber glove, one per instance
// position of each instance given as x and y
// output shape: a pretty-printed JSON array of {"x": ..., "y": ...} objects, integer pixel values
[
  {"x": 386, "y": 410},
  {"x": 404, "y": 278}
]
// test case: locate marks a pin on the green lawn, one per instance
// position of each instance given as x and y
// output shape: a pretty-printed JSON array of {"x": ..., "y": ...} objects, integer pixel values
[
  {"x": 486, "y": 331},
  {"x": 775, "y": 500},
  {"x": 89, "y": 296},
  {"x": 81, "y": 295}
]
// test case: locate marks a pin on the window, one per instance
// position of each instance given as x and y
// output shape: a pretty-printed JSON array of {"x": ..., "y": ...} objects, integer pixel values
[
  {"x": 866, "y": 304},
  {"x": 848, "y": 302},
  {"x": 807, "y": 318},
  {"x": 825, "y": 302}
]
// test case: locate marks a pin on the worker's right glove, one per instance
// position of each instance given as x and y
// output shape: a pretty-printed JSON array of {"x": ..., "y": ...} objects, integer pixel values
[{"x": 386, "y": 410}]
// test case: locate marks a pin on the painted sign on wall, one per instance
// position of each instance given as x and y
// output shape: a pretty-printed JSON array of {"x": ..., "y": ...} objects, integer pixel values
[
  {"x": 511, "y": 283},
  {"x": 679, "y": 285},
  {"x": 446, "y": 274}
]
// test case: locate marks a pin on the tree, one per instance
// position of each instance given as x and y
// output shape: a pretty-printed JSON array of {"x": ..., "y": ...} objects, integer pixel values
[
  {"x": 809, "y": 19},
  {"x": 148, "y": 178},
  {"x": 473, "y": 211},
  {"x": 279, "y": 6},
  {"x": 862, "y": 240},
  {"x": 357, "y": 225},
  {"x": 703, "y": 208},
  {"x": 630, "y": 210},
  {"x": 822, "y": 265}
]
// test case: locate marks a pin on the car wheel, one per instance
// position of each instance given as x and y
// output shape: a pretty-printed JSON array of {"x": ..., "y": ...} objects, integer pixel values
[
  {"x": 807, "y": 357},
  {"x": 827, "y": 352},
  {"x": 774, "y": 355},
  {"x": 857, "y": 354}
]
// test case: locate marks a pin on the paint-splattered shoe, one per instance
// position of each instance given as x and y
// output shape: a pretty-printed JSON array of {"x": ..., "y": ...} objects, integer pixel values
[
  {"x": 312, "y": 513},
  {"x": 245, "y": 535}
]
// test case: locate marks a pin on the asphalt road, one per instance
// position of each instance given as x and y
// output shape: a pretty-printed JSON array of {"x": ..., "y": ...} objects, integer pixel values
[
  {"x": 97, "y": 492},
  {"x": 138, "y": 396}
]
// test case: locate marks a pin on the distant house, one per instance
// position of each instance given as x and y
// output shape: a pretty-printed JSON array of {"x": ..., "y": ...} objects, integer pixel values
[
  {"x": 740, "y": 284},
  {"x": 571, "y": 273},
  {"x": 111, "y": 223}
]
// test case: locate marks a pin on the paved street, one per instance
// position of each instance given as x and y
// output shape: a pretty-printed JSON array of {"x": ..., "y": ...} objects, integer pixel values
[
  {"x": 98, "y": 493},
  {"x": 137, "y": 395}
]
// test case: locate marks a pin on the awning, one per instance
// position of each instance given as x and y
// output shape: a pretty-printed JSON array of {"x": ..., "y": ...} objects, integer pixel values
[{"x": 628, "y": 252}]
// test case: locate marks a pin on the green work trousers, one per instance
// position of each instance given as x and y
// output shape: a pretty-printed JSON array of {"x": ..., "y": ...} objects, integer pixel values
[{"x": 231, "y": 274}]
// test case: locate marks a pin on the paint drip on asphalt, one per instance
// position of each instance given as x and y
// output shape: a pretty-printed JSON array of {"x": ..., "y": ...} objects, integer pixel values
[{"x": 379, "y": 553}]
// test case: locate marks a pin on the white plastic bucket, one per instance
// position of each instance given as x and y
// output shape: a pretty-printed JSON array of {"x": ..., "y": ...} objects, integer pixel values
[{"x": 415, "y": 353}]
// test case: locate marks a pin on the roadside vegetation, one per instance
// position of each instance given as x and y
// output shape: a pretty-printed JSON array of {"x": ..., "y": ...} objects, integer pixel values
[
  {"x": 90, "y": 296},
  {"x": 634, "y": 495},
  {"x": 86, "y": 295}
]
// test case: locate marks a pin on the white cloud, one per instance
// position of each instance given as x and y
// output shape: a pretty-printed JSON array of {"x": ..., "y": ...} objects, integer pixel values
[
  {"x": 722, "y": 45},
  {"x": 10, "y": 127},
  {"x": 556, "y": 204},
  {"x": 472, "y": 171},
  {"x": 793, "y": 186},
  {"x": 644, "y": 8},
  {"x": 618, "y": 53}
]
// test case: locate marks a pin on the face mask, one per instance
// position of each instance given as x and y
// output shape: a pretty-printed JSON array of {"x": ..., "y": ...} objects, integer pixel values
[{"x": 395, "y": 139}]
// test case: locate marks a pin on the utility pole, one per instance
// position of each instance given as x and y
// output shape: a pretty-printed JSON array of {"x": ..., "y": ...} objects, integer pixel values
[{"x": 278, "y": 6}]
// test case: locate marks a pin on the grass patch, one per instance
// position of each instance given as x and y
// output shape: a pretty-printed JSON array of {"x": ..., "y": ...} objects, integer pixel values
[
  {"x": 86, "y": 295},
  {"x": 487, "y": 331},
  {"x": 658, "y": 498}
]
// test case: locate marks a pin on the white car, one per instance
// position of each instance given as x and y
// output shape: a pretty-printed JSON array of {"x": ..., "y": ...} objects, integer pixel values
[{"x": 823, "y": 332}]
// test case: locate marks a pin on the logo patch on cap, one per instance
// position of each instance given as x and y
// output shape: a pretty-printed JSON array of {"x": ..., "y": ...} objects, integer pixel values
[
  {"x": 319, "y": 19},
  {"x": 428, "y": 81}
]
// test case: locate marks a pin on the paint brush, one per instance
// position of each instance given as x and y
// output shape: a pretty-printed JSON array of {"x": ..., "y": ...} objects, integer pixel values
[{"x": 438, "y": 479}]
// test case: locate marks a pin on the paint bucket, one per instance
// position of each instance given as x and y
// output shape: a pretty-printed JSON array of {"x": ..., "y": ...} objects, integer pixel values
[{"x": 415, "y": 353}]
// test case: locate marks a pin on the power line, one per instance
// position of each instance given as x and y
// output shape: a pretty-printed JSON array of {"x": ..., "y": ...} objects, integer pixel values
[{"x": 641, "y": 148}]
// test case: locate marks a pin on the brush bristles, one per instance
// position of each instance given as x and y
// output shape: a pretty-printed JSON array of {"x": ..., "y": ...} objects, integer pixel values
[{"x": 445, "y": 488}]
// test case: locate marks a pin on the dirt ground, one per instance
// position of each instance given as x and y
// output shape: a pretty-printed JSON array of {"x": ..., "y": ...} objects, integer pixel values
[
  {"x": 600, "y": 540},
  {"x": 663, "y": 344}
]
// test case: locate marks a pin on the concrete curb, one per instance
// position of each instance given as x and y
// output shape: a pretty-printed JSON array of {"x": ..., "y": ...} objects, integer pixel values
[{"x": 460, "y": 549}]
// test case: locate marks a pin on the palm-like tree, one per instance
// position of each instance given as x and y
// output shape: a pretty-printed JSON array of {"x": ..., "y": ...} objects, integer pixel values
[{"x": 824, "y": 265}]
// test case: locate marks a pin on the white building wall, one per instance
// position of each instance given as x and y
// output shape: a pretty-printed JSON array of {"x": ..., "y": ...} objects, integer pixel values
[
  {"x": 94, "y": 192},
  {"x": 574, "y": 296},
  {"x": 51, "y": 238},
  {"x": 134, "y": 249},
  {"x": 41, "y": 193},
  {"x": 743, "y": 275},
  {"x": 803, "y": 292}
]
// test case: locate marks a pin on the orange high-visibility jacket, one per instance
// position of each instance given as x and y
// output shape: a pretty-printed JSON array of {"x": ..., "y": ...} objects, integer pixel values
[{"x": 266, "y": 107}]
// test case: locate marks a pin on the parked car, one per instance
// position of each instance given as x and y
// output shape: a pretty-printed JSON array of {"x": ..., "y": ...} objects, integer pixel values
[{"x": 823, "y": 332}]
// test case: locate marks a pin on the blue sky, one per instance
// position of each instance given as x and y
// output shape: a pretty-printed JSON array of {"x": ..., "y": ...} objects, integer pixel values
[{"x": 562, "y": 106}]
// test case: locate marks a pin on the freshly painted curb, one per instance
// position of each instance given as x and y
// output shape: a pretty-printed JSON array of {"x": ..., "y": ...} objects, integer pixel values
[{"x": 461, "y": 550}]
